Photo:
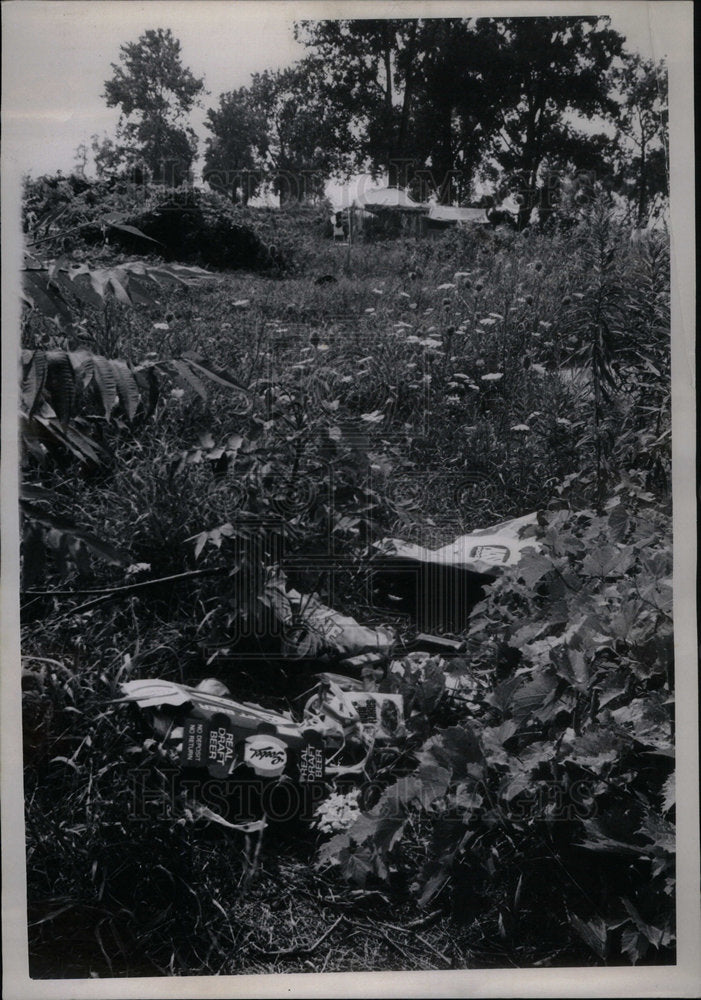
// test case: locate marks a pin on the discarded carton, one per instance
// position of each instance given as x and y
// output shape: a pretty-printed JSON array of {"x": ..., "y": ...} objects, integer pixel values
[
  {"x": 212, "y": 732},
  {"x": 439, "y": 587}
]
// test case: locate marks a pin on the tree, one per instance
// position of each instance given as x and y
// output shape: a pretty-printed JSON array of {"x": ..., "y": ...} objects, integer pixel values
[
  {"x": 107, "y": 156},
  {"x": 155, "y": 94},
  {"x": 365, "y": 71},
  {"x": 278, "y": 130},
  {"x": 549, "y": 73},
  {"x": 233, "y": 152},
  {"x": 453, "y": 109},
  {"x": 438, "y": 96},
  {"x": 641, "y": 137}
]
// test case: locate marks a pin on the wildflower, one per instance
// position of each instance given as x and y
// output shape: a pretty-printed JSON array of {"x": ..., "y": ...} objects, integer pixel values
[
  {"x": 137, "y": 568},
  {"x": 338, "y": 812}
]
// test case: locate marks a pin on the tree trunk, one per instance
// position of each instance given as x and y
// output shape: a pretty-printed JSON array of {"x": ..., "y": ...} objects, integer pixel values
[{"x": 642, "y": 187}]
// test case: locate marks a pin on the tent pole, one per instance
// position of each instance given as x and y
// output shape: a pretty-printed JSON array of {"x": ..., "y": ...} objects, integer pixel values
[{"x": 350, "y": 237}]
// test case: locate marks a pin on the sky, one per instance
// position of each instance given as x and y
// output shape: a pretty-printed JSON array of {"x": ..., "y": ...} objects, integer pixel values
[{"x": 57, "y": 55}]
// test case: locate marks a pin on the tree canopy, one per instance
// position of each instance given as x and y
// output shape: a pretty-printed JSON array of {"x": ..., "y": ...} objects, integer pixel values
[
  {"x": 442, "y": 106},
  {"x": 155, "y": 94},
  {"x": 446, "y": 95}
]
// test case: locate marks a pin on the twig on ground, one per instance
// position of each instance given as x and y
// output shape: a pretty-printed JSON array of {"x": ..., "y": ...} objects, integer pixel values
[
  {"x": 299, "y": 950},
  {"x": 131, "y": 588}
]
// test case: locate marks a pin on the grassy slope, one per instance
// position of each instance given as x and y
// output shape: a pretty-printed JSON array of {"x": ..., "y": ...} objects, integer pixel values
[{"x": 114, "y": 895}]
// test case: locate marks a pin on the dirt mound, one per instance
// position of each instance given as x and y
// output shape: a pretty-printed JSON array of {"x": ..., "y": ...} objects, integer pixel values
[{"x": 191, "y": 234}]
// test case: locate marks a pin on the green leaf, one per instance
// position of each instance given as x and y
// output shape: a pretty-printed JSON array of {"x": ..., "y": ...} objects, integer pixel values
[
  {"x": 634, "y": 944},
  {"x": 357, "y": 865},
  {"x": 388, "y": 832},
  {"x": 45, "y": 298},
  {"x": 60, "y": 384},
  {"x": 33, "y": 555},
  {"x": 220, "y": 376},
  {"x": 533, "y": 695},
  {"x": 188, "y": 378},
  {"x": 64, "y": 526},
  {"x": 396, "y": 797},
  {"x": 35, "y": 370},
  {"x": 593, "y": 932},
  {"x": 607, "y": 560},
  {"x": 128, "y": 390},
  {"x": 330, "y": 851},
  {"x": 125, "y": 228},
  {"x": 669, "y": 797},
  {"x": 118, "y": 279},
  {"x": 434, "y": 782},
  {"x": 433, "y": 884},
  {"x": 454, "y": 748},
  {"x": 106, "y": 383},
  {"x": 520, "y": 781},
  {"x": 533, "y": 567},
  {"x": 654, "y": 935}
]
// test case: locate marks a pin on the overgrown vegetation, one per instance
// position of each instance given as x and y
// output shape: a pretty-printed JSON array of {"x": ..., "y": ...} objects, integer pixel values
[{"x": 188, "y": 434}]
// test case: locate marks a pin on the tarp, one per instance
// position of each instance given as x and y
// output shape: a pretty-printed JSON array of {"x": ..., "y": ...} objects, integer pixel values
[
  {"x": 461, "y": 216},
  {"x": 389, "y": 197}
]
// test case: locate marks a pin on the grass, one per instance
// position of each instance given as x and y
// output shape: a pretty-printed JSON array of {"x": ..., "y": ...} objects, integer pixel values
[{"x": 397, "y": 337}]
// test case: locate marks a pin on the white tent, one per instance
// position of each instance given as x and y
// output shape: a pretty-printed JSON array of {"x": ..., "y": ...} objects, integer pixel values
[{"x": 388, "y": 197}]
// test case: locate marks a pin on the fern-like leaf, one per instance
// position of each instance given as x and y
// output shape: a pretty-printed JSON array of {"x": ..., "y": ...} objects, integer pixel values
[
  {"x": 34, "y": 371},
  {"x": 106, "y": 383},
  {"x": 127, "y": 388},
  {"x": 60, "y": 383}
]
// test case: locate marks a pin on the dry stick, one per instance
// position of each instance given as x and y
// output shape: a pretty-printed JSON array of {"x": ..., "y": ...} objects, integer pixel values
[
  {"x": 131, "y": 588},
  {"x": 425, "y": 921},
  {"x": 385, "y": 937},
  {"x": 117, "y": 590},
  {"x": 435, "y": 951},
  {"x": 411, "y": 930},
  {"x": 300, "y": 949}
]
